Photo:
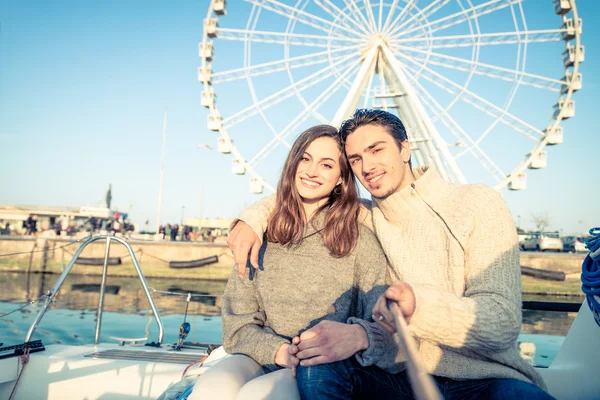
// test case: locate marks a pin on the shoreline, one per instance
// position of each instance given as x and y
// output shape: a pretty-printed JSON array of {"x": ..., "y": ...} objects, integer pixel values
[{"x": 525, "y": 292}]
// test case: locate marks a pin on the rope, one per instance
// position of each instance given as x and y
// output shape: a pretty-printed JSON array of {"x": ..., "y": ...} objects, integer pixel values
[
  {"x": 181, "y": 293},
  {"x": 158, "y": 258},
  {"x": 24, "y": 359},
  {"x": 590, "y": 273},
  {"x": 40, "y": 251},
  {"x": 112, "y": 256},
  {"x": 201, "y": 361},
  {"x": 26, "y": 305}
]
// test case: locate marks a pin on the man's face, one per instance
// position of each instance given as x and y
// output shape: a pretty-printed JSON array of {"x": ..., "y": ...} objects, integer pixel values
[{"x": 377, "y": 161}]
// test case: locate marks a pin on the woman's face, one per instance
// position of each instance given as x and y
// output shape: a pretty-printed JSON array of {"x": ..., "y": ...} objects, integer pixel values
[{"x": 318, "y": 171}]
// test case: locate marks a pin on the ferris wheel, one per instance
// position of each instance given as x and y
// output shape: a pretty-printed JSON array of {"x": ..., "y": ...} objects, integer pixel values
[{"x": 481, "y": 88}]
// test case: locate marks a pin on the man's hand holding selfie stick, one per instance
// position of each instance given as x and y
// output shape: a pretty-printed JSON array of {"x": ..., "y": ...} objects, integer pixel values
[{"x": 393, "y": 312}]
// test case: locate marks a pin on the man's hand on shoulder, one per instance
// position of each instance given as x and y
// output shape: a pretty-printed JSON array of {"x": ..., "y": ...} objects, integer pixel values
[
  {"x": 243, "y": 241},
  {"x": 330, "y": 341}
]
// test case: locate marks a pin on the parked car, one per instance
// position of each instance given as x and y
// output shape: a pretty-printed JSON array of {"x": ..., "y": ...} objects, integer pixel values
[
  {"x": 542, "y": 241},
  {"x": 574, "y": 244}
]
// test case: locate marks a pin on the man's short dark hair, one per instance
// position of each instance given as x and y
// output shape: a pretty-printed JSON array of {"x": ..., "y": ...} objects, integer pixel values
[{"x": 362, "y": 116}]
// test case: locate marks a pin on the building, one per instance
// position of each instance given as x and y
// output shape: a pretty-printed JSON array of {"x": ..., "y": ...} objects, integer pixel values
[
  {"x": 218, "y": 226},
  {"x": 48, "y": 216}
]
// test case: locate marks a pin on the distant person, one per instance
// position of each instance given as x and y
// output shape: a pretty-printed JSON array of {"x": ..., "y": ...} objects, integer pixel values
[
  {"x": 6, "y": 230},
  {"x": 58, "y": 228},
  {"x": 161, "y": 231},
  {"x": 174, "y": 232},
  {"x": 186, "y": 232},
  {"x": 210, "y": 238},
  {"x": 29, "y": 226}
]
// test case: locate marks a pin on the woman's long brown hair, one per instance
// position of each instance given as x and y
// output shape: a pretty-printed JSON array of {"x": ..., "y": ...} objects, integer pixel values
[{"x": 287, "y": 222}]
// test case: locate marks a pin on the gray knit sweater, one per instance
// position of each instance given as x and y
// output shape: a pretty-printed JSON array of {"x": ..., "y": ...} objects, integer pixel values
[{"x": 298, "y": 287}]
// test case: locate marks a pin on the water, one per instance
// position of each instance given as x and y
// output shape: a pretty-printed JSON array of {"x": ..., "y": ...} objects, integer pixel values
[{"x": 72, "y": 318}]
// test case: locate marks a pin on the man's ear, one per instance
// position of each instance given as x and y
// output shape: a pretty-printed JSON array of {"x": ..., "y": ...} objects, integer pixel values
[{"x": 405, "y": 152}]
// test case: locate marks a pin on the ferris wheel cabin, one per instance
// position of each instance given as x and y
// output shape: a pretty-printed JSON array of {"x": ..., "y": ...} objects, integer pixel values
[
  {"x": 518, "y": 182},
  {"x": 561, "y": 7},
  {"x": 554, "y": 135}
]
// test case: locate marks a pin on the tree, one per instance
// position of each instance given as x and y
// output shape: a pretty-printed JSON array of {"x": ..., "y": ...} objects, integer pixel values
[
  {"x": 109, "y": 196},
  {"x": 541, "y": 221}
]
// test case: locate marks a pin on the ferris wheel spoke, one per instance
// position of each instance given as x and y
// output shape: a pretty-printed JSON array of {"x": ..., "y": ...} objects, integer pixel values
[
  {"x": 285, "y": 93},
  {"x": 301, "y": 16},
  {"x": 355, "y": 11},
  {"x": 483, "y": 39},
  {"x": 491, "y": 71},
  {"x": 370, "y": 15},
  {"x": 306, "y": 112},
  {"x": 404, "y": 12},
  {"x": 390, "y": 15},
  {"x": 282, "y": 65},
  {"x": 422, "y": 15},
  {"x": 298, "y": 39},
  {"x": 463, "y": 16},
  {"x": 476, "y": 101},
  {"x": 335, "y": 12},
  {"x": 459, "y": 133}
]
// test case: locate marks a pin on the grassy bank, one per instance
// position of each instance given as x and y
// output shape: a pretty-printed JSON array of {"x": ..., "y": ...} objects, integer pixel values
[{"x": 540, "y": 286}]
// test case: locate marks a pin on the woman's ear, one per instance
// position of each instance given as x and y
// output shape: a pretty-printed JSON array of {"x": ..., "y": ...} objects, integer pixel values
[{"x": 339, "y": 182}]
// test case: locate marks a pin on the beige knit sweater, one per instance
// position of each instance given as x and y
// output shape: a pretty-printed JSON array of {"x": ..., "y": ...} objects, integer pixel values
[{"x": 457, "y": 246}]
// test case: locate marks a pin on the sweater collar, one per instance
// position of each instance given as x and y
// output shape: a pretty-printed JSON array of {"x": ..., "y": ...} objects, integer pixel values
[{"x": 428, "y": 185}]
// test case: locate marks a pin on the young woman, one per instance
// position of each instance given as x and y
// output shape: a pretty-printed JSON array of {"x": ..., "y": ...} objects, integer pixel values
[{"x": 319, "y": 265}]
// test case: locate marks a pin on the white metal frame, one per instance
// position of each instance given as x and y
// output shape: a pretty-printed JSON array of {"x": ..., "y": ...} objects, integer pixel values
[{"x": 401, "y": 41}]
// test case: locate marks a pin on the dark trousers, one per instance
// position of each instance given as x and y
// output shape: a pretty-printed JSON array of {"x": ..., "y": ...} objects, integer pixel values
[{"x": 349, "y": 380}]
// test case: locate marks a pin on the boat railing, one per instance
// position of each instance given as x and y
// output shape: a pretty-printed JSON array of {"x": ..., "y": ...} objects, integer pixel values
[{"x": 50, "y": 296}]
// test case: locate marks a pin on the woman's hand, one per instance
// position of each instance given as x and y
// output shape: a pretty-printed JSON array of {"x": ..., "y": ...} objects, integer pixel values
[
  {"x": 403, "y": 294},
  {"x": 286, "y": 358}
]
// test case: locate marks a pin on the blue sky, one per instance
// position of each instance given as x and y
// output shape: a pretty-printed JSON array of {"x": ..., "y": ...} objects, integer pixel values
[{"x": 83, "y": 87}]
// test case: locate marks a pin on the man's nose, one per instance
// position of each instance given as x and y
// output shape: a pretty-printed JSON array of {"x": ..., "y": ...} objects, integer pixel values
[{"x": 367, "y": 165}]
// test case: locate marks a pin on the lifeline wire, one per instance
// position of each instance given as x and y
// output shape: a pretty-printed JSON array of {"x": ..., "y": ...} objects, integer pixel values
[
  {"x": 590, "y": 273},
  {"x": 26, "y": 305},
  {"x": 44, "y": 250}
]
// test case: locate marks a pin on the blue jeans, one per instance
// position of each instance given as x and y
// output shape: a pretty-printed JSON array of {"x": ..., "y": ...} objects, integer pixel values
[{"x": 349, "y": 380}]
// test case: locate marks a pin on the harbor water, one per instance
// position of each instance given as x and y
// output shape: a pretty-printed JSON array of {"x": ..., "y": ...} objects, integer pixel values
[{"x": 72, "y": 318}]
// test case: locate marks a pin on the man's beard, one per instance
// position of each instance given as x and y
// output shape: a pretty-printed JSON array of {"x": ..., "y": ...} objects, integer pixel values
[{"x": 384, "y": 196}]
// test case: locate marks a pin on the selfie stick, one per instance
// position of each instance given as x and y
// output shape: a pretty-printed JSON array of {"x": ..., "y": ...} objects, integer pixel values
[{"x": 422, "y": 383}]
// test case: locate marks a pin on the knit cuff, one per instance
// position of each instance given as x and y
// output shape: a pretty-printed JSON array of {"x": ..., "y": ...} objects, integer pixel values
[
  {"x": 267, "y": 350},
  {"x": 375, "y": 351}
]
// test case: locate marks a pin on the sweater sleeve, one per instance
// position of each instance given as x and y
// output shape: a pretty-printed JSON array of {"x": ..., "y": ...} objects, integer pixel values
[
  {"x": 257, "y": 215},
  {"x": 370, "y": 271},
  {"x": 488, "y": 316},
  {"x": 244, "y": 330}
]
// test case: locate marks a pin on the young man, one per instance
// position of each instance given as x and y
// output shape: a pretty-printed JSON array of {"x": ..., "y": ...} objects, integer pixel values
[{"x": 454, "y": 252}]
